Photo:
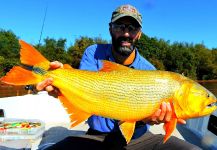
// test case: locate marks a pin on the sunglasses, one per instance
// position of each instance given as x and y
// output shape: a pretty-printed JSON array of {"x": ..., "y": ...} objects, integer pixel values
[{"x": 120, "y": 28}]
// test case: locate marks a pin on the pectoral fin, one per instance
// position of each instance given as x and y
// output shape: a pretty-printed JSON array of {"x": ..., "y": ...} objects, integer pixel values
[
  {"x": 127, "y": 129},
  {"x": 169, "y": 128},
  {"x": 76, "y": 116}
]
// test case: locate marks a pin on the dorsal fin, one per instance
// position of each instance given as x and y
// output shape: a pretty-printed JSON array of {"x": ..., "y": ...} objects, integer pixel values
[
  {"x": 30, "y": 56},
  {"x": 67, "y": 66},
  {"x": 108, "y": 66}
]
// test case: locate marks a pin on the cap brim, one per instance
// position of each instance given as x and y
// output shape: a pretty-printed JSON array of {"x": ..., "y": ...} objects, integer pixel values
[{"x": 125, "y": 15}]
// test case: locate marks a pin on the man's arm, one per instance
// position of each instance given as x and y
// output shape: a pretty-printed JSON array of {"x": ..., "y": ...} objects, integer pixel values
[{"x": 88, "y": 61}]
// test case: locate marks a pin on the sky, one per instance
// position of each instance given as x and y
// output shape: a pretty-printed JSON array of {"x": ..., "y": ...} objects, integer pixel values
[{"x": 191, "y": 21}]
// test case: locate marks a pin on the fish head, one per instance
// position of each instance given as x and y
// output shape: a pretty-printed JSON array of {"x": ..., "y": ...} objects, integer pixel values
[{"x": 194, "y": 100}]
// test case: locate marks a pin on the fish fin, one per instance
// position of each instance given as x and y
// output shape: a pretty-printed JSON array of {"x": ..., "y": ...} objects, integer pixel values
[
  {"x": 169, "y": 128},
  {"x": 67, "y": 66},
  {"x": 30, "y": 56},
  {"x": 109, "y": 66},
  {"x": 127, "y": 129},
  {"x": 20, "y": 76},
  {"x": 120, "y": 122},
  {"x": 76, "y": 116}
]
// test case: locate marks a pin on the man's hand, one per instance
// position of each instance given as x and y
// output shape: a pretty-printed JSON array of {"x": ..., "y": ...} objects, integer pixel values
[
  {"x": 47, "y": 83},
  {"x": 162, "y": 115}
]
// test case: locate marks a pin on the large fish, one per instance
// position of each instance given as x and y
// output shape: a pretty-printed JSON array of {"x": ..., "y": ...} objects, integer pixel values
[{"x": 116, "y": 91}]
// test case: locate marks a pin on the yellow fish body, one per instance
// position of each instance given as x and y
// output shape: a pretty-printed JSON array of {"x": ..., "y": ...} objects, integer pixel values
[{"x": 116, "y": 91}]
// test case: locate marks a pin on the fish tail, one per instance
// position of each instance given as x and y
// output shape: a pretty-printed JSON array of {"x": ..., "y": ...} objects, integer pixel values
[
  {"x": 37, "y": 67},
  {"x": 31, "y": 57},
  {"x": 20, "y": 76}
]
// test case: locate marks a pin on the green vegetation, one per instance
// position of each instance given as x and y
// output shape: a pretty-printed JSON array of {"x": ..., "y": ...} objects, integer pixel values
[{"x": 193, "y": 60}]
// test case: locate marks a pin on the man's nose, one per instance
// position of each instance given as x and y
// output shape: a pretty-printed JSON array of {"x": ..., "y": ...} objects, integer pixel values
[{"x": 126, "y": 32}]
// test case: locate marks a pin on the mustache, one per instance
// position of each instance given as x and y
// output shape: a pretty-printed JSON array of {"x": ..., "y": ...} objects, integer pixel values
[{"x": 125, "y": 39}]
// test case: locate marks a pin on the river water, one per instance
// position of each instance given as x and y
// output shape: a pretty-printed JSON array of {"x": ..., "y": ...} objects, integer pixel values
[{"x": 210, "y": 85}]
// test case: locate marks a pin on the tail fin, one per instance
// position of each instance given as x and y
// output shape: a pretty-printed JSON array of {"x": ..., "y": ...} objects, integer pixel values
[
  {"x": 19, "y": 76},
  {"x": 30, "y": 56}
]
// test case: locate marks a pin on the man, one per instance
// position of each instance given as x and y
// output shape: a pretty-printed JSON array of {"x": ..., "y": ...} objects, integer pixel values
[{"x": 125, "y": 29}]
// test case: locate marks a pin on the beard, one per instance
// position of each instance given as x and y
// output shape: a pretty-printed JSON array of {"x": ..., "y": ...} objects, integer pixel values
[{"x": 123, "y": 50}]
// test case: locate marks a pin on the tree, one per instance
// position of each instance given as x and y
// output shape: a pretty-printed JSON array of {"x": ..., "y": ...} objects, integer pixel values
[
  {"x": 9, "y": 45},
  {"x": 205, "y": 66},
  {"x": 181, "y": 59},
  {"x": 54, "y": 50},
  {"x": 195, "y": 61},
  {"x": 76, "y": 51},
  {"x": 9, "y": 48},
  {"x": 153, "y": 49}
]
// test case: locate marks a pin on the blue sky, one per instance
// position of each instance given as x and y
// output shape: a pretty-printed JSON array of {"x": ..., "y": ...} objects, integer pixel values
[{"x": 192, "y": 21}]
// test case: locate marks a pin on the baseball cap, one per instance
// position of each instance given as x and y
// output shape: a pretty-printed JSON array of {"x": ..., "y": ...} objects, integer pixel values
[{"x": 126, "y": 10}]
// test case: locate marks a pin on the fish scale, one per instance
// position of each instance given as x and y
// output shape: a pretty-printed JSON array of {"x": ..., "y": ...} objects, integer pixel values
[{"x": 133, "y": 95}]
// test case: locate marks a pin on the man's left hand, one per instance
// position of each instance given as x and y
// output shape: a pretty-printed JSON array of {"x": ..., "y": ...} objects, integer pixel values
[{"x": 162, "y": 115}]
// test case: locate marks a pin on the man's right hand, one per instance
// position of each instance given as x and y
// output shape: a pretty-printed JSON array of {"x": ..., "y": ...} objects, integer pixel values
[{"x": 47, "y": 83}]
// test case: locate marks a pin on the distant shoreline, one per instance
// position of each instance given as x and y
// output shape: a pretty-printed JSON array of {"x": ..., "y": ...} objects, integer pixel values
[{"x": 202, "y": 81}]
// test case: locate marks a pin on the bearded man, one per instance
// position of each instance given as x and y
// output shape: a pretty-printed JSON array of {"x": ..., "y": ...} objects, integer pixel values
[{"x": 125, "y": 29}]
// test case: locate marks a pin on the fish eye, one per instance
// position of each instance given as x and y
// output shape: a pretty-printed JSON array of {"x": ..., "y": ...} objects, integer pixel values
[{"x": 208, "y": 95}]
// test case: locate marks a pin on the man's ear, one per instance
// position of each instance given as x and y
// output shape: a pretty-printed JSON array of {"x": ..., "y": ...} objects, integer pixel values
[
  {"x": 110, "y": 29},
  {"x": 139, "y": 34}
]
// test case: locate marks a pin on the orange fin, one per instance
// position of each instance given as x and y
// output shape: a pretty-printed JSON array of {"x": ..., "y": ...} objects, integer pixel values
[
  {"x": 19, "y": 76},
  {"x": 127, "y": 129},
  {"x": 109, "y": 66},
  {"x": 67, "y": 66},
  {"x": 30, "y": 56},
  {"x": 76, "y": 116},
  {"x": 169, "y": 128},
  {"x": 120, "y": 122}
]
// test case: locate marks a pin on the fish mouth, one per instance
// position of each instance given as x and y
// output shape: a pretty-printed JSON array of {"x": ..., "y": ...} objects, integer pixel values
[
  {"x": 211, "y": 104},
  {"x": 210, "y": 108}
]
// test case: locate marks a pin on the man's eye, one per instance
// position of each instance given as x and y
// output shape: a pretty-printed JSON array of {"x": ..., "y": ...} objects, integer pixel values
[
  {"x": 122, "y": 26},
  {"x": 131, "y": 28}
]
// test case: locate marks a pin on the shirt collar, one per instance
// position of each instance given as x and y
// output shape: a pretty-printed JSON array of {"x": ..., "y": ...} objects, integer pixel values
[
  {"x": 136, "y": 60},
  {"x": 111, "y": 58},
  {"x": 109, "y": 54}
]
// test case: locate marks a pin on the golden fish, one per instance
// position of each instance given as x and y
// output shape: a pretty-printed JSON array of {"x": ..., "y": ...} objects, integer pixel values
[{"x": 116, "y": 91}]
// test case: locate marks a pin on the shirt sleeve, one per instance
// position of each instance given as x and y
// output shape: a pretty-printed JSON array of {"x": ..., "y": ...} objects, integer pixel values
[{"x": 88, "y": 62}]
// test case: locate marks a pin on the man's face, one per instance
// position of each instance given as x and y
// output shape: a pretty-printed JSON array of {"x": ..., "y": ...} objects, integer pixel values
[{"x": 125, "y": 31}]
